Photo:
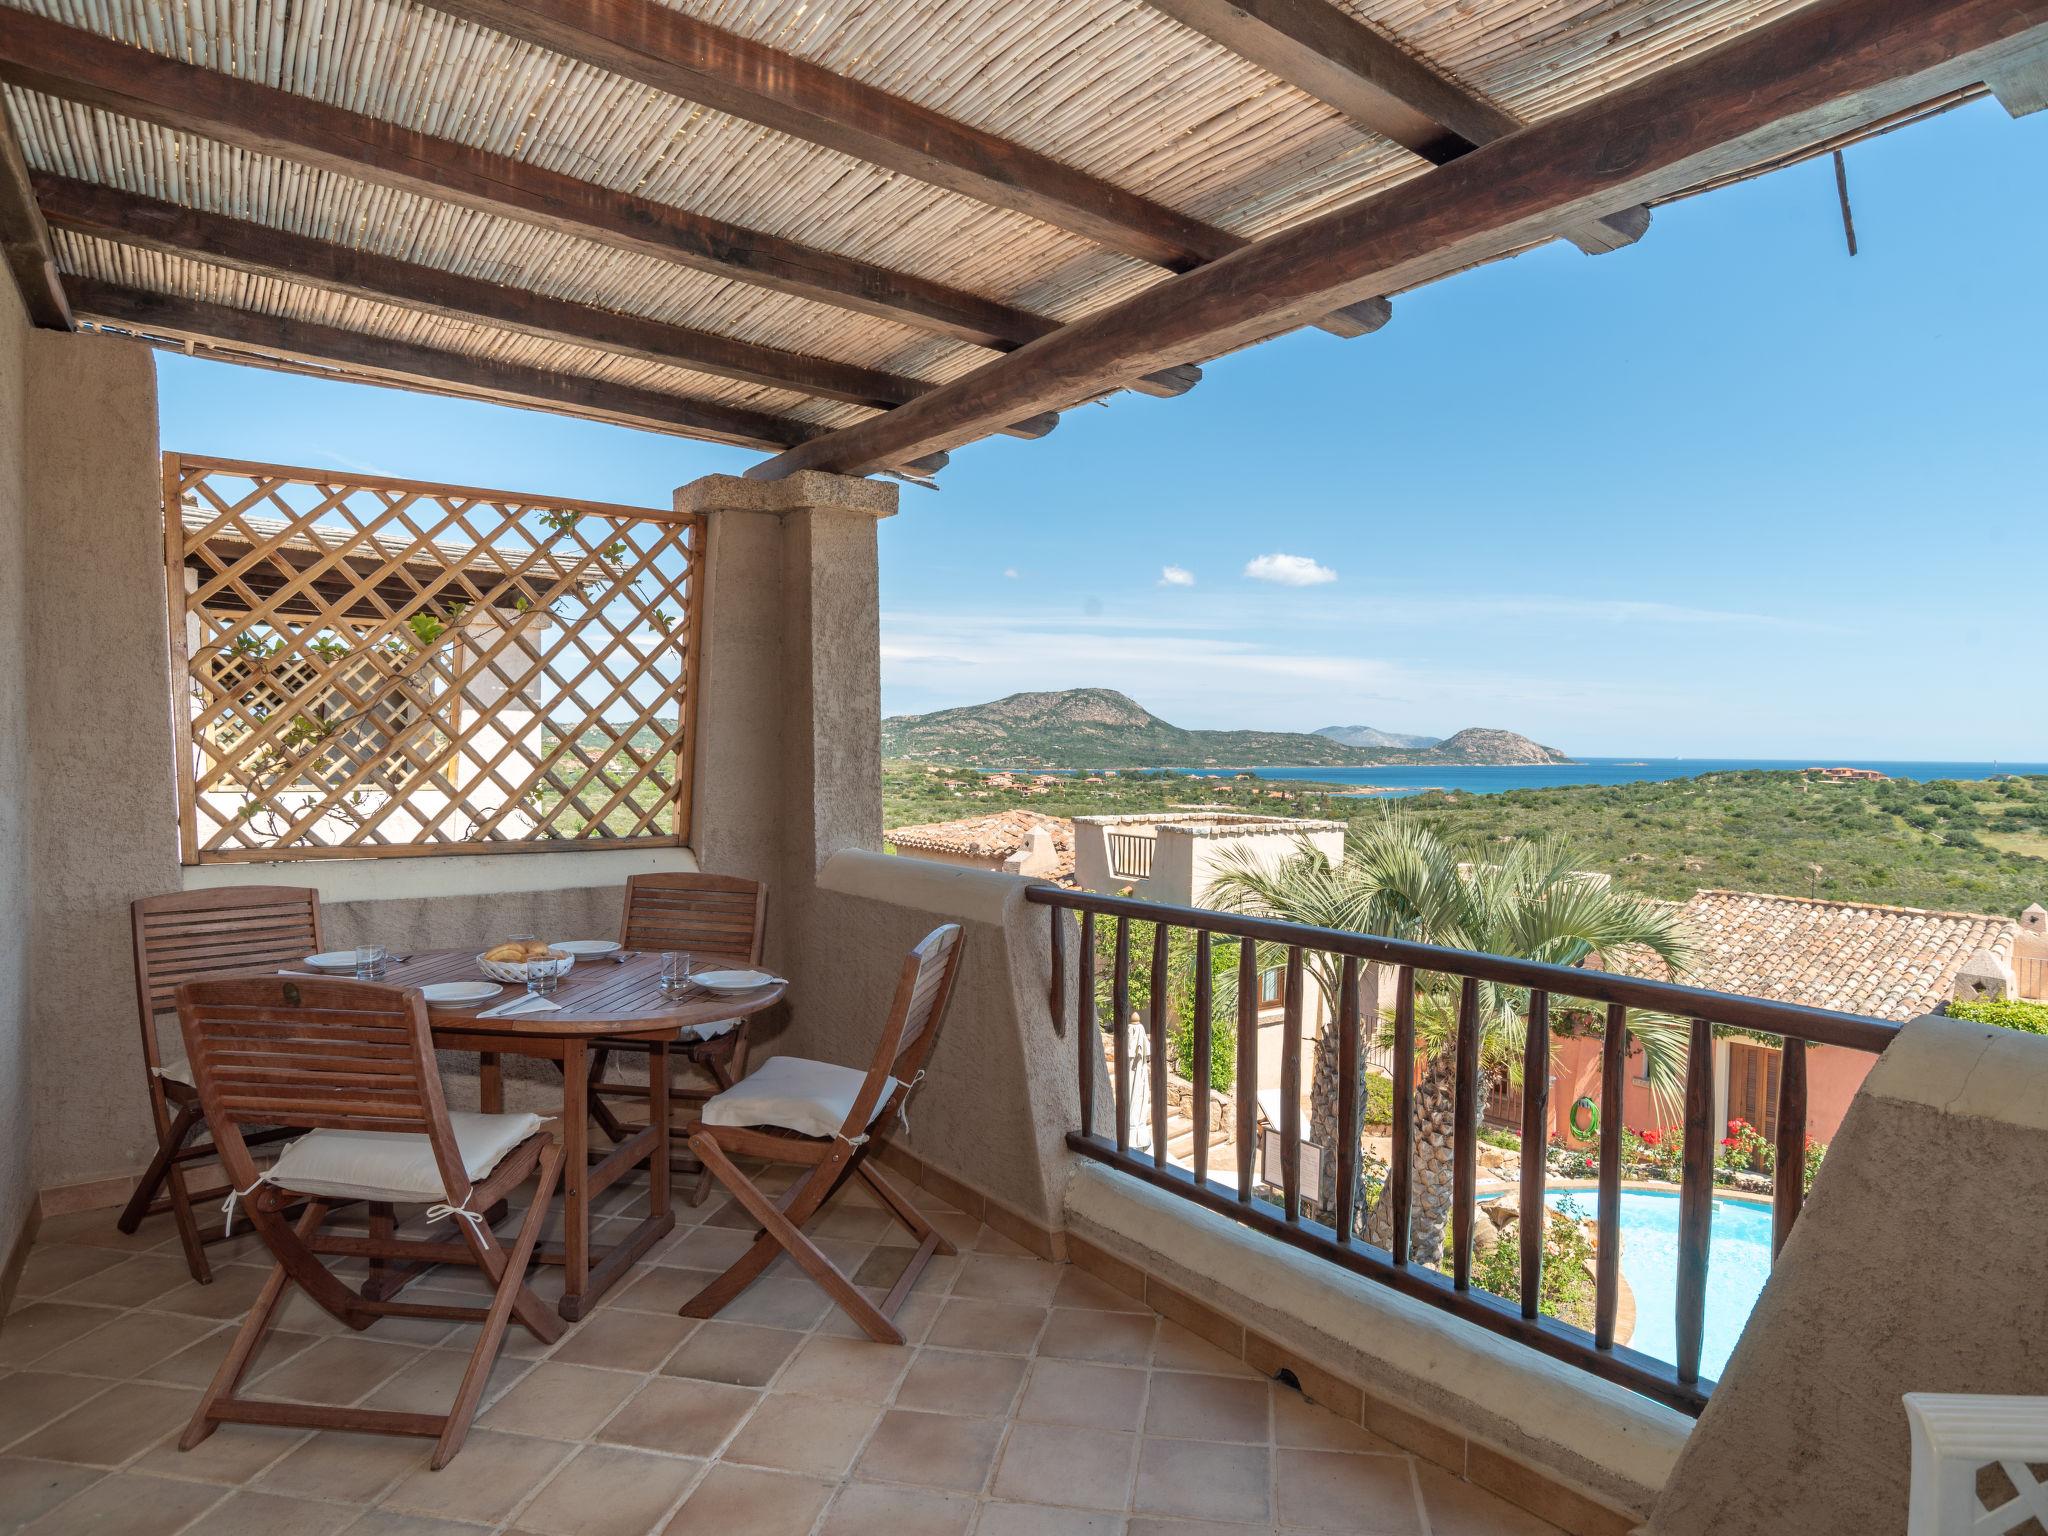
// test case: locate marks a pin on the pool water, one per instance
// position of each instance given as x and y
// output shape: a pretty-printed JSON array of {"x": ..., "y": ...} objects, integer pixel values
[{"x": 1738, "y": 1262}]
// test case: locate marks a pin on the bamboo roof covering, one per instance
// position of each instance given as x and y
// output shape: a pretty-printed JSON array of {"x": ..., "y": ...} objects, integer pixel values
[{"x": 734, "y": 274}]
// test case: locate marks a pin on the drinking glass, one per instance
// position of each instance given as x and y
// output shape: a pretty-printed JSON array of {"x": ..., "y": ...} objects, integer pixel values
[
  {"x": 675, "y": 973},
  {"x": 370, "y": 962},
  {"x": 543, "y": 976}
]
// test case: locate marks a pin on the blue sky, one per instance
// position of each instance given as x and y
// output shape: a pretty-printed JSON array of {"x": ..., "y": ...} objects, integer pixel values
[{"x": 1725, "y": 493}]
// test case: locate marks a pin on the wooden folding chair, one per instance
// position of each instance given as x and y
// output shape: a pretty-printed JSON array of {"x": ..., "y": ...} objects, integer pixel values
[
  {"x": 354, "y": 1062},
  {"x": 190, "y": 936},
  {"x": 792, "y": 1110},
  {"x": 720, "y": 918}
]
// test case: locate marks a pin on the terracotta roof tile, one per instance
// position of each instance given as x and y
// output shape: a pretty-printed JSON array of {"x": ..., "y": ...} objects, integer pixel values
[{"x": 997, "y": 835}]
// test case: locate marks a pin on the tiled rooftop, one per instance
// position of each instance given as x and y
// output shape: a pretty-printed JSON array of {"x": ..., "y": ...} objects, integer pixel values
[
  {"x": 996, "y": 835},
  {"x": 1031, "y": 1400},
  {"x": 1888, "y": 962}
]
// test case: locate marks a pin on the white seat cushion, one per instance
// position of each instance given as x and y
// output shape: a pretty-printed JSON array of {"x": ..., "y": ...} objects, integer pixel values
[
  {"x": 812, "y": 1098},
  {"x": 178, "y": 1071},
  {"x": 395, "y": 1165}
]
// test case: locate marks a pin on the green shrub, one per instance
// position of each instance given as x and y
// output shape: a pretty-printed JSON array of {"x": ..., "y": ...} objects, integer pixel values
[
  {"x": 1567, "y": 1288},
  {"x": 1379, "y": 1099},
  {"x": 2006, "y": 1012}
]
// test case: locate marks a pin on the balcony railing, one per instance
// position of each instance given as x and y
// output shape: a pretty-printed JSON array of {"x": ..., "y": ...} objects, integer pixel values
[
  {"x": 1679, "y": 1384},
  {"x": 1130, "y": 854}
]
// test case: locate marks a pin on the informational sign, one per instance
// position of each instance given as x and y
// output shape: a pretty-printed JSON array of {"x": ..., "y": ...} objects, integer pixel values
[{"x": 1272, "y": 1160}]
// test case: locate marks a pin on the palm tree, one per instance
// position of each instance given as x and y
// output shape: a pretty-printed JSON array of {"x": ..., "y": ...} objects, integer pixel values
[{"x": 1530, "y": 899}]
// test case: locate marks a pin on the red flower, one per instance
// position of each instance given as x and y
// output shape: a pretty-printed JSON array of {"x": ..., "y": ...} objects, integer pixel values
[
  {"x": 1737, "y": 1127},
  {"x": 1651, "y": 1138},
  {"x": 1729, "y": 1141}
]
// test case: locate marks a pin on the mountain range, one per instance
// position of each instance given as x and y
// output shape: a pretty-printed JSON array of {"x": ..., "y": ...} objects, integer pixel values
[
  {"x": 1372, "y": 736},
  {"x": 1101, "y": 728}
]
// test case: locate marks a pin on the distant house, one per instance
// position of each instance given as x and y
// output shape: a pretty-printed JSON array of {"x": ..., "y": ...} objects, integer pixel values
[
  {"x": 1013, "y": 842},
  {"x": 1176, "y": 857},
  {"x": 1847, "y": 775},
  {"x": 1893, "y": 963}
]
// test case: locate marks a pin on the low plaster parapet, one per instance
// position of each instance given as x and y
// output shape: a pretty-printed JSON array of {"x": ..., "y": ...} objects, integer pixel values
[
  {"x": 1612, "y": 1444},
  {"x": 957, "y": 892},
  {"x": 449, "y": 876},
  {"x": 1959, "y": 1067},
  {"x": 808, "y": 490}
]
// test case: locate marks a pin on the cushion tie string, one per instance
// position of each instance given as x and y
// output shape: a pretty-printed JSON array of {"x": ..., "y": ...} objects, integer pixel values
[
  {"x": 903, "y": 1104},
  {"x": 228, "y": 1205},
  {"x": 443, "y": 1212},
  {"x": 852, "y": 1141}
]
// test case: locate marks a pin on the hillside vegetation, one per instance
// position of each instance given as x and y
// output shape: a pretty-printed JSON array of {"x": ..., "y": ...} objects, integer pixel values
[
  {"x": 1958, "y": 845},
  {"x": 1101, "y": 728}
]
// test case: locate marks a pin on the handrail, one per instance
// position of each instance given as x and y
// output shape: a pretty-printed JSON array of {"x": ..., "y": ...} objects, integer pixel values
[{"x": 1343, "y": 1242}]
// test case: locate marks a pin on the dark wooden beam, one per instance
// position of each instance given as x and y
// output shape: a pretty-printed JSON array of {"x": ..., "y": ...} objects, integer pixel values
[
  {"x": 151, "y": 224},
  {"x": 25, "y": 240},
  {"x": 1828, "y": 68},
  {"x": 41, "y": 55},
  {"x": 1320, "y": 48},
  {"x": 156, "y": 314},
  {"x": 1168, "y": 383},
  {"x": 678, "y": 54}
]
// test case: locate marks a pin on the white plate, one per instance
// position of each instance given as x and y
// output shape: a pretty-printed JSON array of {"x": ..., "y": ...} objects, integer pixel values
[
  {"x": 333, "y": 960},
  {"x": 585, "y": 946},
  {"x": 460, "y": 991},
  {"x": 731, "y": 981}
]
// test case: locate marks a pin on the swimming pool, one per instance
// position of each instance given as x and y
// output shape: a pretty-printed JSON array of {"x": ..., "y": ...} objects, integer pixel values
[{"x": 1738, "y": 1262}]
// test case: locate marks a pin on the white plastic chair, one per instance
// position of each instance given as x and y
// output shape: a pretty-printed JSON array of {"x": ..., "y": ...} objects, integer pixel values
[{"x": 1955, "y": 1436}]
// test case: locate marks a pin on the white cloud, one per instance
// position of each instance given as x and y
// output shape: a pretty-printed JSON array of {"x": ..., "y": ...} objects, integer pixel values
[
  {"x": 1011, "y": 573},
  {"x": 1176, "y": 576},
  {"x": 1289, "y": 571}
]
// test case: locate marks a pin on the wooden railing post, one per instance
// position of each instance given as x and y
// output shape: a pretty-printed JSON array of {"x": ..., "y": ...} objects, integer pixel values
[
  {"x": 1788, "y": 1161},
  {"x": 1347, "y": 1100},
  {"x": 1465, "y": 1135},
  {"x": 1607, "y": 1255},
  {"x": 1057, "y": 998},
  {"x": 1401, "y": 1165},
  {"x": 1156, "y": 1033},
  {"x": 1290, "y": 1090},
  {"x": 1535, "y": 1220},
  {"x": 1247, "y": 1066},
  {"x": 1087, "y": 1037},
  {"x": 1204, "y": 1063},
  {"x": 1120, "y": 1023},
  {"x": 1696, "y": 1200}
]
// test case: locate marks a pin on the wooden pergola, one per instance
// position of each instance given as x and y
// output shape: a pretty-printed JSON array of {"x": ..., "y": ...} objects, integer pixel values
[{"x": 860, "y": 234}]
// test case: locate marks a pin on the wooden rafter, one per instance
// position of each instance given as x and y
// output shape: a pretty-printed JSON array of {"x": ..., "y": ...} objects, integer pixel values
[
  {"x": 1825, "y": 69},
  {"x": 156, "y": 314},
  {"x": 1320, "y": 48},
  {"x": 25, "y": 240},
  {"x": 75, "y": 65},
  {"x": 151, "y": 224},
  {"x": 683, "y": 56}
]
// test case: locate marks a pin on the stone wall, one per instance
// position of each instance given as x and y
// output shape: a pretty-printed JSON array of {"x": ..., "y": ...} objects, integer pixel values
[{"x": 17, "y": 1141}]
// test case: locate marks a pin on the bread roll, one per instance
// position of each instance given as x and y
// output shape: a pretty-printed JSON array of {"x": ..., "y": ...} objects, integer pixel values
[
  {"x": 506, "y": 954},
  {"x": 535, "y": 950}
]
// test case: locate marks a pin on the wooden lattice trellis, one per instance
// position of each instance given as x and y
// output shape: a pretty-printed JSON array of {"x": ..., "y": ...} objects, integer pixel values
[{"x": 382, "y": 667}]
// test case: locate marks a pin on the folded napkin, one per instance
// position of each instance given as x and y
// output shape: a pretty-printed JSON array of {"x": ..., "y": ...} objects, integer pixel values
[{"x": 530, "y": 1003}]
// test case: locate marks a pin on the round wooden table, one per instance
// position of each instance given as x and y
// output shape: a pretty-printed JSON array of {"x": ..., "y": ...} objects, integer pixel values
[{"x": 604, "y": 997}]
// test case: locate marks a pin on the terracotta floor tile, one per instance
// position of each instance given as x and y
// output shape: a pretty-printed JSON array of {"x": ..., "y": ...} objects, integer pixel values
[
  {"x": 1331, "y": 1491},
  {"x": 382, "y": 1522},
  {"x": 1108, "y": 1338},
  {"x": 232, "y": 1454},
  {"x": 195, "y": 1365},
  {"x": 931, "y": 1450},
  {"x": 735, "y": 1353},
  {"x": 680, "y": 1416},
  {"x": 106, "y": 1430},
  {"x": 1202, "y": 1480},
  {"x": 1176, "y": 1349},
  {"x": 42, "y": 1326},
  {"x": 740, "y": 1501},
  {"x": 1458, "y": 1508},
  {"x": 485, "y": 1483},
  {"x": 1191, "y": 1407},
  {"x": 1059, "y": 1464},
  {"x": 1079, "y": 1393},
  {"x": 52, "y": 1266},
  {"x": 913, "y": 1319},
  {"x": 872, "y": 1509},
  {"x": 988, "y": 1325},
  {"x": 128, "y": 1345},
  {"x": 1078, "y": 1288},
  {"x": 1000, "y": 1519},
  {"x": 711, "y": 1248},
  {"x": 662, "y": 1290},
  {"x": 334, "y": 1371},
  {"x": 96, "y": 1229},
  {"x": 609, "y": 1491},
  {"x": 249, "y": 1513},
  {"x": 776, "y": 1303},
  {"x": 126, "y": 1504},
  {"x": 825, "y": 1366},
  {"x": 226, "y": 1299},
  {"x": 351, "y": 1468},
  {"x": 31, "y": 1399},
  {"x": 560, "y": 1402},
  {"x": 1000, "y": 1277},
  {"x": 794, "y": 1433},
  {"x": 31, "y": 1488},
  {"x": 625, "y": 1341},
  {"x": 1300, "y": 1423},
  {"x": 131, "y": 1283},
  {"x": 430, "y": 1383},
  {"x": 1170, "y": 1525},
  {"x": 952, "y": 1381}
]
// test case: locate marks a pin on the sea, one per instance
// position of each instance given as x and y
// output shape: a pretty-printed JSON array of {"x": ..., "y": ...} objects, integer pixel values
[{"x": 1401, "y": 782}]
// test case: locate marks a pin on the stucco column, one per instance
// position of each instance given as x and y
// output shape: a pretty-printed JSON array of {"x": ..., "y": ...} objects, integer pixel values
[{"x": 788, "y": 750}]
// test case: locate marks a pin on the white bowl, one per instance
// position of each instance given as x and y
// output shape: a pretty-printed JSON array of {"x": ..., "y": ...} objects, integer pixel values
[{"x": 520, "y": 970}]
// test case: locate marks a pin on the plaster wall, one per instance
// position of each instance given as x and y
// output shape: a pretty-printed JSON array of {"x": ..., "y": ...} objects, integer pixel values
[
  {"x": 17, "y": 1139},
  {"x": 1915, "y": 1267},
  {"x": 1833, "y": 1074}
]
